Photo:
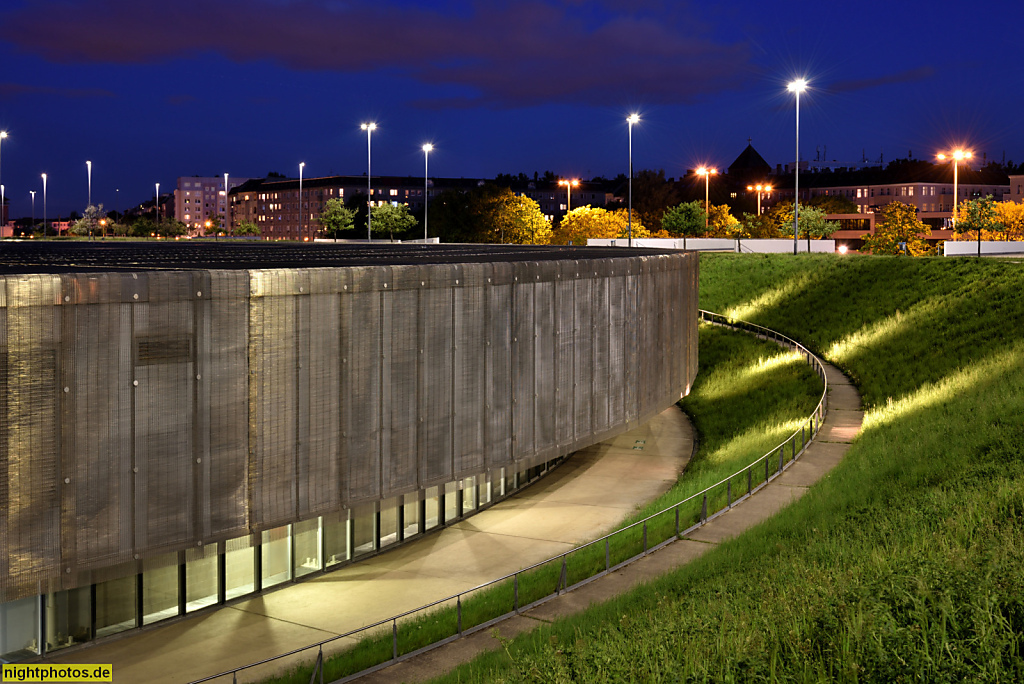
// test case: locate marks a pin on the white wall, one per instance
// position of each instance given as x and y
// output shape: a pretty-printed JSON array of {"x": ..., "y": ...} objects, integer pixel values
[
  {"x": 778, "y": 246},
  {"x": 968, "y": 248}
]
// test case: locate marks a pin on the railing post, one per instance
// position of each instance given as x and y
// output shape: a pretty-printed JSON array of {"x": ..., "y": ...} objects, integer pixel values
[
  {"x": 766, "y": 466},
  {"x": 704, "y": 509},
  {"x": 728, "y": 496},
  {"x": 645, "y": 537},
  {"x": 394, "y": 639},
  {"x": 607, "y": 556},
  {"x": 750, "y": 480},
  {"x": 458, "y": 613},
  {"x": 562, "y": 578},
  {"x": 677, "y": 520},
  {"x": 781, "y": 457},
  {"x": 515, "y": 593}
]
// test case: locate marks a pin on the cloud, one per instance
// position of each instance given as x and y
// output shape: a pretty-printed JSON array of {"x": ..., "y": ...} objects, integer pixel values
[
  {"x": 908, "y": 76},
  {"x": 506, "y": 54},
  {"x": 12, "y": 90}
]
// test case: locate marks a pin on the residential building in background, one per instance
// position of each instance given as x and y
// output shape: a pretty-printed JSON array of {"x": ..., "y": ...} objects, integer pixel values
[{"x": 198, "y": 199}]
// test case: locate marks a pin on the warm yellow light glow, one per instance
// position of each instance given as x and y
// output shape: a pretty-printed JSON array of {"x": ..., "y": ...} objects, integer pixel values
[
  {"x": 797, "y": 86},
  {"x": 3, "y": 134},
  {"x": 567, "y": 183},
  {"x": 428, "y": 148},
  {"x": 842, "y": 249},
  {"x": 632, "y": 119},
  {"x": 704, "y": 171},
  {"x": 368, "y": 126},
  {"x": 956, "y": 154}
]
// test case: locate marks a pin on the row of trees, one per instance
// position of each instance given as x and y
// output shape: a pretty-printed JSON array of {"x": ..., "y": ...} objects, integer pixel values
[{"x": 995, "y": 220}]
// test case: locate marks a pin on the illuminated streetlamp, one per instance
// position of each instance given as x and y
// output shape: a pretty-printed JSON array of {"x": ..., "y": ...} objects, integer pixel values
[
  {"x": 33, "y": 193},
  {"x": 88, "y": 167},
  {"x": 707, "y": 173},
  {"x": 760, "y": 188},
  {"x": 796, "y": 87},
  {"x": 302, "y": 230},
  {"x": 157, "y": 208},
  {"x": 103, "y": 228},
  {"x": 569, "y": 185},
  {"x": 369, "y": 128},
  {"x": 3, "y": 136},
  {"x": 632, "y": 119},
  {"x": 227, "y": 223},
  {"x": 957, "y": 155},
  {"x": 44, "y": 204},
  {"x": 427, "y": 149}
]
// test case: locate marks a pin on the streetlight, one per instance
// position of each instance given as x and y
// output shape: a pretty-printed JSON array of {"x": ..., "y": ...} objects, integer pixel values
[
  {"x": 569, "y": 185},
  {"x": 33, "y": 193},
  {"x": 103, "y": 228},
  {"x": 760, "y": 188},
  {"x": 707, "y": 173},
  {"x": 158, "y": 204},
  {"x": 956, "y": 155},
  {"x": 631, "y": 119},
  {"x": 2, "y": 202},
  {"x": 3, "y": 136},
  {"x": 88, "y": 167},
  {"x": 427, "y": 149},
  {"x": 369, "y": 128},
  {"x": 227, "y": 223},
  {"x": 301, "y": 228},
  {"x": 44, "y": 205},
  {"x": 796, "y": 87}
]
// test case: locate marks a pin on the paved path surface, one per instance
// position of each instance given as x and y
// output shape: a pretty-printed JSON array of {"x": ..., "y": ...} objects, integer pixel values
[
  {"x": 841, "y": 425},
  {"x": 583, "y": 498}
]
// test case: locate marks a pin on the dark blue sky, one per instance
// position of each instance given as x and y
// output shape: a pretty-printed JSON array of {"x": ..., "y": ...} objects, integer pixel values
[{"x": 149, "y": 91}]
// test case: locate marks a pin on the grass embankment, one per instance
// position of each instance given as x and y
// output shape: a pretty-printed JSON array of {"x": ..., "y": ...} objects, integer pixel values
[
  {"x": 906, "y": 563},
  {"x": 748, "y": 397}
]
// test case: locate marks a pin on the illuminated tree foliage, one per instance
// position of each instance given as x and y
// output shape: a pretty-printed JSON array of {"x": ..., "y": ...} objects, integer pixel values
[
  {"x": 583, "y": 223},
  {"x": 389, "y": 218},
  {"x": 336, "y": 217},
  {"x": 684, "y": 220},
  {"x": 1011, "y": 216},
  {"x": 721, "y": 224},
  {"x": 899, "y": 232},
  {"x": 977, "y": 215}
]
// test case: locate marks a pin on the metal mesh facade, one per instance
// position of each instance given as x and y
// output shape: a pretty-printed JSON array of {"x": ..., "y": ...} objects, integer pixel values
[{"x": 157, "y": 411}]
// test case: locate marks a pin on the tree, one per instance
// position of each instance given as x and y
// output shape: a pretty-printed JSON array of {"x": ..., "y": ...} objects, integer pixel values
[
  {"x": 517, "y": 219},
  {"x": 977, "y": 215},
  {"x": 583, "y": 223},
  {"x": 899, "y": 232},
  {"x": 336, "y": 217},
  {"x": 1011, "y": 215},
  {"x": 832, "y": 204},
  {"x": 684, "y": 220},
  {"x": 813, "y": 223},
  {"x": 721, "y": 224},
  {"x": 247, "y": 228},
  {"x": 89, "y": 224},
  {"x": 652, "y": 197},
  {"x": 759, "y": 226},
  {"x": 389, "y": 218}
]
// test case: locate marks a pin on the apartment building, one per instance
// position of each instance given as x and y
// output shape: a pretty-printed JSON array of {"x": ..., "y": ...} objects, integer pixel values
[{"x": 198, "y": 199}]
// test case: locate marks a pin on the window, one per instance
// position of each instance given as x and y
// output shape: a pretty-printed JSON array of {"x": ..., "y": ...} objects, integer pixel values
[{"x": 394, "y": 193}]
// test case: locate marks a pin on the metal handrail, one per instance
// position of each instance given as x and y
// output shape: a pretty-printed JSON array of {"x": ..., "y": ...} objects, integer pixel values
[{"x": 812, "y": 423}]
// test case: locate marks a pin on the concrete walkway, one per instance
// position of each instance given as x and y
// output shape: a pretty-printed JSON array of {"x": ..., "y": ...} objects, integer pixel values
[
  {"x": 840, "y": 427},
  {"x": 583, "y": 498}
]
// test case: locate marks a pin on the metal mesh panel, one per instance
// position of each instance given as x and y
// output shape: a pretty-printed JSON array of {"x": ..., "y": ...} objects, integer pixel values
[
  {"x": 469, "y": 352},
  {"x": 266, "y": 397},
  {"x": 499, "y": 367},
  {"x": 435, "y": 408}
]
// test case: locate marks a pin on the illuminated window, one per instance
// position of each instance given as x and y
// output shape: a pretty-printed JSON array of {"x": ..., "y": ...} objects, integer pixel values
[{"x": 394, "y": 193}]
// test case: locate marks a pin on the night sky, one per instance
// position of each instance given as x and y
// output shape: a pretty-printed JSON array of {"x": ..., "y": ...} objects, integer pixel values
[{"x": 150, "y": 91}]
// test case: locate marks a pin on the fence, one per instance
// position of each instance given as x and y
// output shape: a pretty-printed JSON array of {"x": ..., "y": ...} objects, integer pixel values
[{"x": 408, "y": 634}]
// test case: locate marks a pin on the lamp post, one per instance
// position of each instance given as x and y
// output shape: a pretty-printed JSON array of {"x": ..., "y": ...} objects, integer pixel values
[
  {"x": 2, "y": 201},
  {"x": 88, "y": 170},
  {"x": 759, "y": 188},
  {"x": 956, "y": 155},
  {"x": 632, "y": 119},
  {"x": 33, "y": 193},
  {"x": 369, "y": 128},
  {"x": 157, "y": 207},
  {"x": 427, "y": 149},
  {"x": 569, "y": 185},
  {"x": 3, "y": 136},
  {"x": 707, "y": 173},
  {"x": 44, "y": 205},
  {"x": 796, "y": 87},
  {"x": 226, "y": 223},
  {"x": 302, "y": 230}
]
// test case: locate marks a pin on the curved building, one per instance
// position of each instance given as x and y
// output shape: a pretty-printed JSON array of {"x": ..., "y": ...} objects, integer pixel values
[{"x": 184, "y": 424}]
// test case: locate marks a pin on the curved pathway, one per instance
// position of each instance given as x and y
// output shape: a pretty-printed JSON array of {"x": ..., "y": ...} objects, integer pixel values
[
  {"x": 841, "y": 425},
  {"x": 584, "y": 497}
]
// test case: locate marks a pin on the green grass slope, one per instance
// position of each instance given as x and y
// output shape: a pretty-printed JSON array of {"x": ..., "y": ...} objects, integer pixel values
[{"x": 906, "y": 563}]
